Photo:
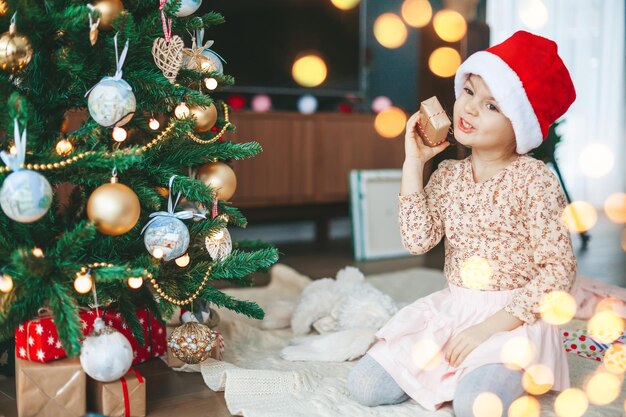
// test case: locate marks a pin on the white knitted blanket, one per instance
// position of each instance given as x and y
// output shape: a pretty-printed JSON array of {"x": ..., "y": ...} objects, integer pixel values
[{"x": 258, "y": 383}]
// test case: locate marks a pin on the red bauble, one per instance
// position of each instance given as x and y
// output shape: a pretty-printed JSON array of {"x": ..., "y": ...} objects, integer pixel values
[{"x": 236, "y": 102}]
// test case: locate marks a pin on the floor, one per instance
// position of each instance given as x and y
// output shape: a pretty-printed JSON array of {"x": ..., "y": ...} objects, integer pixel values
[{"x": 180, "y": 394}]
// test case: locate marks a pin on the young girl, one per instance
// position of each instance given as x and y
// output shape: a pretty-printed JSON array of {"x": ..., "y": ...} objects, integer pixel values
[{"x": 505, "y": 247}]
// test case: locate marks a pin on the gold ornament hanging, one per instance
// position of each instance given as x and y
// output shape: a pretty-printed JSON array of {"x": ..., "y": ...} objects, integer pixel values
[
  {"x": 205, "y": 117},
  {"x": 193, "y": 342},
  {"x": 220, "y": 177},
  {"x": 114, "y": 208},
  {"x": 108, "y": 11},
  {"x": 15, "y": 49}
]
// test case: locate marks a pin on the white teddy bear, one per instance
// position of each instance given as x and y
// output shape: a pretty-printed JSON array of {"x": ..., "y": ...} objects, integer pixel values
[{"x": 346, "y": 312}]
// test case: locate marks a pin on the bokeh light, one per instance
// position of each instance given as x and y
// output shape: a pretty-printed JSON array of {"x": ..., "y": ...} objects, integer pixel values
[
  {"x": 390, "y": 30},
  {"x": 605, "y": 326},
  {"x": 571, "y": 403},
  {"x": 557, "y": 307},
  {"x": 579, "y": 216},
  {"x": 538, "y": 379},
  {"x": 182, "y": 111},
  {"x": 345, "y": 4},
  {"x": 154, "y": 124},
  {"x": 135, "y": 282},
  {"x": 183, "y": 261},
  {"x": 603, "y": 388},
  {"x": 416, "y": 13},
  {"x": 381, "y": 103},
  {"x": 6, "y": 283},
  {"x": 83, "y": 283},
  {"x": 390, "y": 122},
  {"x": 210, "y": 83},
  {"x": 615, "y": 207},
  {"x": 487, "y": 404},
  {"x": 444, "y": 61},
  {"x": 615, "y": 358},
  {"x": 309, "y": 70},
  {"x": 533, "y": 13},
  {"x": 64, "y": 147},
  {"x": 307, "y": 104},
  {"x": 261, "y": 103},
  {"x": 517, "y": 353},
  {"x": 426, "y": 354},
  {"x": 596, "y": 160},
  {"x": 449, "y": 25},
  {"x": 476, "y": 273},
  {"x": 525, "y": 406},
  {"x": 119, "y": 134}
]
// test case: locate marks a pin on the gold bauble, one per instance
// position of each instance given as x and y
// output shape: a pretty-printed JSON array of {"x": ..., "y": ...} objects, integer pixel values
[
  {"x": 15, "y": 50},
  {"x": 114, "y": 208},
  {"x": 108, "y": 10},
  {"x": 192, "y": 342},
  {"x": 205, "y": 117},
  {"x": 220, "y": 177}
]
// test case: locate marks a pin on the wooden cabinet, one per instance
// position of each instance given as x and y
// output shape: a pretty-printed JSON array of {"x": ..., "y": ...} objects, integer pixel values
[{"x": 306, "y": 159}]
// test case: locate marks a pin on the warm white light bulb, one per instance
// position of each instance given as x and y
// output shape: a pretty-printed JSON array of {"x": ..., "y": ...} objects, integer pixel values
[
  {"x": 37, "y": 252},
  {"x": 211, "y": 83},
  {"x": 154, "y": 124},
  {"x": 64, "y": 147},
  {"x": 181, "y": 111},
  {"x": 119, "y": 134},
  {"x": 158, "y": 253},
  {"x": 183, "y": 261},
  {"x": 83, "y": 284},
  {"x": 13, "y": 150},
  {"x": 6, "y": 283},
  {"x": 135, "y": 282}
]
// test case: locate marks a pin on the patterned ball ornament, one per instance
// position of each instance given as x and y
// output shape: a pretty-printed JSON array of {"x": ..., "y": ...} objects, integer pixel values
[
  {"x": 25, "y": 196},
  {"x": 188, "y": 7},
  {"x": 106, "y": 354},
  {"x": 167, "y": 236},
  {"x": 192, "y": 342}
]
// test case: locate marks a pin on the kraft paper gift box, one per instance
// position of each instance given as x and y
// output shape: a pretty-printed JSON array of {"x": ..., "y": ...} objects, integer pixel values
[
  {"x": 52, "y": 389},
  {"x": 433, "y": 123},
  {"x": 125, "y": 397}
]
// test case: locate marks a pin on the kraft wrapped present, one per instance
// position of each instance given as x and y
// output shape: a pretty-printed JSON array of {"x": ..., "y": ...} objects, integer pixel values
[
  {"x": 53, "y": 389},
  {"x": 173, "y": 362},
  {"x": 125, "y": 397},
  {"x": 433, "y": 123}
]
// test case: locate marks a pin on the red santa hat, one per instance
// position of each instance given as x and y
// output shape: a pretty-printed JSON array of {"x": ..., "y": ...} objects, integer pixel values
[{"x": 529, "y": 81}]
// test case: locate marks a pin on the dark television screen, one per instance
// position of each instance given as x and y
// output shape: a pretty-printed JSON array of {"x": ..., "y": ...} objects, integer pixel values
[{"x": 262, "y": 38}]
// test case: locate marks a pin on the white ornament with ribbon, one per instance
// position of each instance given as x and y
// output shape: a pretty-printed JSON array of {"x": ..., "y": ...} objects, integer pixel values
[
  {"x": 212, "y": 61},
  {"x": 112, "y": 102},
  {"x": 26, "y": 195},
  {"x": 165, "y": 235}
]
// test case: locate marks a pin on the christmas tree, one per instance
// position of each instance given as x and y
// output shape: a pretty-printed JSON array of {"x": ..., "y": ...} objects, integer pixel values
[{"x": 146, "y": 215}]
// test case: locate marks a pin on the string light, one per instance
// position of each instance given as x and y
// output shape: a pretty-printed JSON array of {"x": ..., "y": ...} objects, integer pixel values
[
  {"x": 154, "y": 124},
  {"x": 182, "y": 111},
  {"x": 135, "y": 282},
  {"x": 83, "y": 283},
  {"x": 158, "y": 253},
  {"x": 64, "y": 147},
  {"x": 6, "y": 283},
  {"x": 183, "y": 261},
  {"x": 119, "y": 134},
  {"x": 37, "y": 252},
  {"x": 13, "y": 150},
  {"x": 210, "y": 83}
]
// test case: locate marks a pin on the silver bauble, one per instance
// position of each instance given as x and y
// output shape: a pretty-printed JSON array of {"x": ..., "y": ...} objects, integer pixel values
[
  {"x": 188, "y": 7},
  {"x": 25, "y": 196},
  {"x": 106, "y": 354}
]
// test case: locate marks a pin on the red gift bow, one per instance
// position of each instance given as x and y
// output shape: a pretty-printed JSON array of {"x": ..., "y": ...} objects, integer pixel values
[{"x": 125, "y": 391}]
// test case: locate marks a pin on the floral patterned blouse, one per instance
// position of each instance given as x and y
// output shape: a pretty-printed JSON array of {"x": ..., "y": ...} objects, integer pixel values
[{"x": 500, "y": 234}]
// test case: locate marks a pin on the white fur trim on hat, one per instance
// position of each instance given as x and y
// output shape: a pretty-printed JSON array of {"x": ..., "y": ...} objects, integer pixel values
[{"x": 508, "y": 91}]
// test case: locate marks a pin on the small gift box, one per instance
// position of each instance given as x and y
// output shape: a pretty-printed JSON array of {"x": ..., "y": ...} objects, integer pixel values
[
  {"x": 50, "y": 390},
  {"x": 580, "y": 343},
  {"x": 125, "y": 397},
  {"x": 433, "y": 123},
  {"x": 38, "y": 340}
]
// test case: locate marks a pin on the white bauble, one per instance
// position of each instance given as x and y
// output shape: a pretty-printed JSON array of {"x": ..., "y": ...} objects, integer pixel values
[
  {"x": 168, "y": 234},
  {"x": 25, "y": 196},
  {"x": 106, "y": 354},
  {"x": 307, "y": 104},
  {"x": 214, "y": 60},
  {"x": 112, "y": 102},
  {"x": 188, "y": 7}
]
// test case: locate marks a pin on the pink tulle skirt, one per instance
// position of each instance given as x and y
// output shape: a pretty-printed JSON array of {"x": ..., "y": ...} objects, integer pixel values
[{"x": 411, "y": 345}]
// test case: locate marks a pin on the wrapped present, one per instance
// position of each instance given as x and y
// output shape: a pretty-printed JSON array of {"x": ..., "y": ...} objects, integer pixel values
[
  {"x": 49, "y": 390},
  {"x": 38, "y": 340},
  {"x": 173, "y": 362},
  {"x": 7, "y": 357},
  {"x": 125, "y": 397},
  {"x": 154, "y": 334},
  {"x": 580, "y": 343},
  {"x": 433, "y": 123}
]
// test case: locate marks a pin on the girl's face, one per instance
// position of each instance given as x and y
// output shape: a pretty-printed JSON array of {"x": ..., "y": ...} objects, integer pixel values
[{"x": 478, "y": 122}]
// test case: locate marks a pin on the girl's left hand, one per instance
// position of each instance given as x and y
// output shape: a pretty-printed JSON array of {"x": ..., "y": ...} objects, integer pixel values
[{"x": 465, "y": 342}]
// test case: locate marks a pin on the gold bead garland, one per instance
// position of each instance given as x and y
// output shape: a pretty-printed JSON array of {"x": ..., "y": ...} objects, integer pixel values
[
  {"x": 137, "y": 151},
  {"x": 176, "y": 301}
]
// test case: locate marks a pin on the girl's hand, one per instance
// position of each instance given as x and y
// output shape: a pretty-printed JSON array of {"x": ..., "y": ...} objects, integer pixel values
[
  {"x": 465, "y": 342},
  {"x": 414, "y": 147}
]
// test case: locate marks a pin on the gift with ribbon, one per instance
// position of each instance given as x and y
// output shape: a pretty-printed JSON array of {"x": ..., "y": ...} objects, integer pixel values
[
  {"x": 53, "y": 389},
  {"x": 433, "y": 124},
  {"x": 580, "y": 343},
  {"x": 125, "y": 397}
]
